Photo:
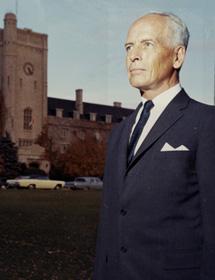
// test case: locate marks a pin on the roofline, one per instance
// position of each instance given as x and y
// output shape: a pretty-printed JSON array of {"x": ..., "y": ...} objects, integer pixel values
[{"x": 111, "y": 106}]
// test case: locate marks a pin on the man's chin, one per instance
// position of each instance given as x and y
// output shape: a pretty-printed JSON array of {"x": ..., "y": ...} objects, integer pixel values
[{"x": 137, "y": 83}]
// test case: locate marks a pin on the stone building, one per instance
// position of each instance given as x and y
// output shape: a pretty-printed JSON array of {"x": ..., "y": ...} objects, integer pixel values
[
  {"x": 69, "y": 119},
  {"x": 25, "y": 107},
  {"x": 23, "y": 86}
]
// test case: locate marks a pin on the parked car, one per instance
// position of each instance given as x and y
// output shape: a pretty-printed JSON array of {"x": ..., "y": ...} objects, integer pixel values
[
  {"x": 32, "y": 182},
  {"x": 3, "y": 183},
  {"x": 85, "y": 183}
]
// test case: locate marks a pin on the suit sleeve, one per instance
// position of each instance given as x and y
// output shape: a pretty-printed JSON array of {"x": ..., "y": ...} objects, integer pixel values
[
  {"x": 100, "y": 244},
  {"x": 205, "y": 166},
  {"x": 99, "y": 268}
]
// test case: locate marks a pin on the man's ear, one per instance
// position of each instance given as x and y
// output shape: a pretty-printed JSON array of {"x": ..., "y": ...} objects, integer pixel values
[{"x": 179, "y": 56}]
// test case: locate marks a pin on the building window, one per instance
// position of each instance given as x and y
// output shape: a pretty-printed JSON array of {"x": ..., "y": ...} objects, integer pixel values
[
  {"x": 65, "y": 132},
  {"x": 108, "y": 118},
  {"x": 59, "y": 112},
  {"x": 28, "y": 119},
  {"x": 73, "y": 133},
  {"x": 81, "y": 135},
  {"x": 97, "y": 136},
  {"x": 35, "y": 84},
  {"x": 93, "y": 117},
  {"x": 63, "y": 148},
  {"x": 25, "y": 142}
]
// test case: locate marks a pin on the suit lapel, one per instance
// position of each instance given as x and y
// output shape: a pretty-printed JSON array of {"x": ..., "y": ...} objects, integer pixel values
[
  {"x": 123, "y": 140},
  {"x": 172, "y": 113}
]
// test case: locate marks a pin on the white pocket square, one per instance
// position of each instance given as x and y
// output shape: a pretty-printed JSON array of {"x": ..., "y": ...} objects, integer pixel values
[{"x": 168, "y": 148}]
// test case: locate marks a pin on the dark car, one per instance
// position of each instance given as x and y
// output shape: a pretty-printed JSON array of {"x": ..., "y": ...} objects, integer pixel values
[
  {"x": 3, "y": 183},
  {"x": 85, "y": 183}
]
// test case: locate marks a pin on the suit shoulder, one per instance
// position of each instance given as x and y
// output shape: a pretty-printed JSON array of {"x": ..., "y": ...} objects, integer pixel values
[
  {"x": 202, "y": 107},
  {"x": 204, "y": 113}
]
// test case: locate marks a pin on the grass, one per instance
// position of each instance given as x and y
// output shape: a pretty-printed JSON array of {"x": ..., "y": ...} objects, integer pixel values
[{"x": 48, "y": 235}]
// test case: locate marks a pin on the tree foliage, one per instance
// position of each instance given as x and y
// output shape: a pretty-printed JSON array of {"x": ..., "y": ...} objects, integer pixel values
[
  {"x": 45, "y": 141},
  {"x": 9, "y": 166},
  {"x": 2, "y": 113},
  {"x": 32, "y": 169},
  {"x": 84, "y": 157}
]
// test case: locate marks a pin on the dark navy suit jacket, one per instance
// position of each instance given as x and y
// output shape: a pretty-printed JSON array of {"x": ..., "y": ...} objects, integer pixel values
[{"x": 158, "y": 214}]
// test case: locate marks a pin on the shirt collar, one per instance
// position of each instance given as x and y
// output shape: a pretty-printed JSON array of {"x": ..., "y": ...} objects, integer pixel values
[{"x": 165, "y": 97}]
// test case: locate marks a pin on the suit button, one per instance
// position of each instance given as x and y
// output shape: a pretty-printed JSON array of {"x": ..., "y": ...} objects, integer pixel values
[
  {"x": 123, "y": 249},
  {"x": 123, "y": 212}
]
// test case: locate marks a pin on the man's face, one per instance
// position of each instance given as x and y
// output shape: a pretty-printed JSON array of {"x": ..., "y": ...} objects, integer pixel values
[{"x": 149, "y": 55}]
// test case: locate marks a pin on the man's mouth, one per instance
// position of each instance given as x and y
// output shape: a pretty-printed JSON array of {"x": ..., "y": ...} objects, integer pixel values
[{"x": 136, "y": 70}]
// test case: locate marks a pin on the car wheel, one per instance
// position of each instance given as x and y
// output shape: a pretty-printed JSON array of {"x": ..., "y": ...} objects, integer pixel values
[
  {"x": 32, "y": 187},
  {"x": 58, "y": 187}
]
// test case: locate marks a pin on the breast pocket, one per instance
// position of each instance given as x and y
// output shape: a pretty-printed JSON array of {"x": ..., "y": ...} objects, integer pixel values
[
  {"x": 174, "y": 168},
  {"x": 182, "y": 259},
  {"x": 175, "y": 158},
  {"x": 175, "y": 153}
]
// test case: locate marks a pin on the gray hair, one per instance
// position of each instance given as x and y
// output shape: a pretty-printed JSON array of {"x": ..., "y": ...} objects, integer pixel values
[{"x": 179, "y": 29}]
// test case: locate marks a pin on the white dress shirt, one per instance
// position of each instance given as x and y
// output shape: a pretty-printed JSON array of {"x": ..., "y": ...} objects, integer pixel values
[{"x": 160, "y": 103}]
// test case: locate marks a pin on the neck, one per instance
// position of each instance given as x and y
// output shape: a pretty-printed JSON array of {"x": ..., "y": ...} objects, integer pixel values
[{"x": 151, "y": 93}]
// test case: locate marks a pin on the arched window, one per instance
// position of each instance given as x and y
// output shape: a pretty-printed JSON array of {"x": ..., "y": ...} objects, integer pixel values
[{"x": 27, "y": 124}]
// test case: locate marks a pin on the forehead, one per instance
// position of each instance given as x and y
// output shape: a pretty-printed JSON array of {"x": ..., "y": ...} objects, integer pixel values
[{"x": 149, "y": 27}]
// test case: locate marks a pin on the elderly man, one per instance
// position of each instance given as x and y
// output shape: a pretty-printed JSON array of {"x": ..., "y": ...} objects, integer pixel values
[{"x": 158, "y": 209}]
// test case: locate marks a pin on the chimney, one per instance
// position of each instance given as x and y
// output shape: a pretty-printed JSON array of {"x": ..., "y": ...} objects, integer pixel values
[
  {"x": 117, "y": 104},
  {"x": 76, "y": 115},
  {"x": 79, "y": 101}
]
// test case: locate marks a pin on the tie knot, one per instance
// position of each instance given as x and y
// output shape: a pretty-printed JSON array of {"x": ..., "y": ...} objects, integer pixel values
[{"x": 148, "y": 106}]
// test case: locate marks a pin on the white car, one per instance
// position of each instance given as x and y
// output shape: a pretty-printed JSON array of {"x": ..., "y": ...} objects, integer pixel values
[
  {"x": 32, "y": 182},
  {"x": 85, "y": 183}
]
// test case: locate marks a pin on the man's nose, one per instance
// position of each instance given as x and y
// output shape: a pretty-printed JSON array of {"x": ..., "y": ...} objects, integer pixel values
[{"x": 135, "y": 54}]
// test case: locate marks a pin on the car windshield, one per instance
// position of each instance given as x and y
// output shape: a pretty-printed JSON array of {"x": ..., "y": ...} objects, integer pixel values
[
  {"x": 33, "y": 177},
  {"x": 80, "y": 180},
  {"x": 23, "y": 177},
  {"x": 40, "y": 177}
]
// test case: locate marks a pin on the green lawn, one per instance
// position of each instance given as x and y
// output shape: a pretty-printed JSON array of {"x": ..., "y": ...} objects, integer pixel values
[{"x": 48, "y": 234}]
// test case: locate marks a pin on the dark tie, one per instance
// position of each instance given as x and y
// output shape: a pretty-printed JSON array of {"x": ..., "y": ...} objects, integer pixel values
[{"x": 139, "y": 128}]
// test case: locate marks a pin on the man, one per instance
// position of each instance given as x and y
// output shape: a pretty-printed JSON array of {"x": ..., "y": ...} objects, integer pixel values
[{"x": 158, "y": 210}]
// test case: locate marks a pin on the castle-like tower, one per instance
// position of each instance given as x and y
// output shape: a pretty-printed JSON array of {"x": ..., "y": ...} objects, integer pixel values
[
  {"x": 23, "y": 86},
  {"x": 25, "y": 107}
]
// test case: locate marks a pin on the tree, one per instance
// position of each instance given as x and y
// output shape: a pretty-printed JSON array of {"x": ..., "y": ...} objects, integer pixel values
[
  {"x": 9, "y": 166},
  {"x": 51, "y": 154},
  {"x": 2, "y": 113},
  {"x": 84, "y": 157},
  {"x": 45, "y": 141},
  {"x": 32, "y": 169}
]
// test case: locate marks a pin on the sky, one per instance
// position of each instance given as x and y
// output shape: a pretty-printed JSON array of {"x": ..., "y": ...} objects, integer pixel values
[{"x": 86, "y": 45}]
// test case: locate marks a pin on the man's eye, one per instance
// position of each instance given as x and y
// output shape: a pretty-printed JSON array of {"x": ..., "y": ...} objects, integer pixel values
[
  {"x": 128, "y": 48},
  {"x": 148, "y": 44}
]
